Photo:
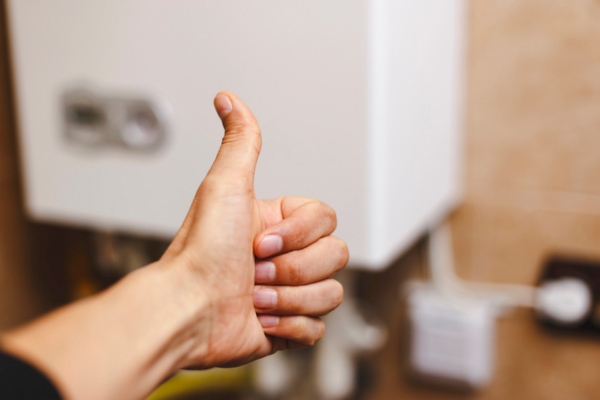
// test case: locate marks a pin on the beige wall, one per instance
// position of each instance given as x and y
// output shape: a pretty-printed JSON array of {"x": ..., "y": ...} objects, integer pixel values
[
  {"x": 20, "y": 292},
  {"x": 533, "y": 130},
  {"x": 532, "y": 188}
]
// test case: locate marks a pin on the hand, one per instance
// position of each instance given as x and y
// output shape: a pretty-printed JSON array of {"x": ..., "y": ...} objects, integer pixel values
[
  {"x": 227, "y": 228},
  {"x": 242, "y": 279}
]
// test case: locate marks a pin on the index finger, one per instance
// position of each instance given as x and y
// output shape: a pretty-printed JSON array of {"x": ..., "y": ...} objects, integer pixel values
[{"x": 303, "y": 222}]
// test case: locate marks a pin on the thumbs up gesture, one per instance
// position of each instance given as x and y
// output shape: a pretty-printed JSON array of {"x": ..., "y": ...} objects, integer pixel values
[
  {"x": 264, "y": 267},
  {"x": 243, "y": 278}
]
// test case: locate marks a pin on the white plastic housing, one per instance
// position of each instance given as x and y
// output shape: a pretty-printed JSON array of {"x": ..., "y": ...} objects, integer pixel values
[
  {"x": 452, "y": 338},
  {"x": 359, "y": 103}
]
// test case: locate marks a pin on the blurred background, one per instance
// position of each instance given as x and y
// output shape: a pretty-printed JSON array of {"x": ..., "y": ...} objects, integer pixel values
[{"x": 529, "y": 213}]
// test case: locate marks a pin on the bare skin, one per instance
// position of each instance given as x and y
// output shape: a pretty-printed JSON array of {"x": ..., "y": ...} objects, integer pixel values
[{"x": 242, "y": 279}]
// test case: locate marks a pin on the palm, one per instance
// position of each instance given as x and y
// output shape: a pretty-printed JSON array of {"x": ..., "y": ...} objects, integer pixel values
[{"x": 235, "y": 333}]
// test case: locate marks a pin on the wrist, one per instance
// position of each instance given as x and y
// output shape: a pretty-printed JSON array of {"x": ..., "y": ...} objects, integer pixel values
[
  {"x": 185, "y": 303},
  {"x": 134, "y": 335}
]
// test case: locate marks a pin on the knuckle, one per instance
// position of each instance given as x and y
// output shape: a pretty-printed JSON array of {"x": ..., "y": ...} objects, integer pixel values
[
  {"x": 332, "y": 295},
  {"x": 298, "y": 328},
  {"x": 343, "y": 254},
  {"x": 291, "y": 300},
  {"x": 299, "y": 234},
  {"x": 239, "y": 130},
  {"x": 321, "y": 329},
  {"x": 306, "y": 331},
  {"x": 296, "y": 307},
  {"x": 243, "y": 132},
  {"x": 233, "y": 134},
  {"x": 293, "y": 345},
  {"x": 337, "y": 293},
  {"x": 295, "y": 272},
  {"x": 329, "y": 214},
  {"x": 317, "y": 332}
]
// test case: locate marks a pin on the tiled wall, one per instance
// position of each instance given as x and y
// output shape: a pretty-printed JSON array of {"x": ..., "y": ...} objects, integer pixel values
[
  {"x": 533, "y": 136},
  {"x": 532, "y": 188}
]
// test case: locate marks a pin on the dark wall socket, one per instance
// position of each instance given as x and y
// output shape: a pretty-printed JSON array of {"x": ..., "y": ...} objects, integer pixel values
[{"x": 568, "y": 297}]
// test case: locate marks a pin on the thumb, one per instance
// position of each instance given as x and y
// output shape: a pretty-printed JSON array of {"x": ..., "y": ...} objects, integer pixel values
[{"x": 241, "y": 144}]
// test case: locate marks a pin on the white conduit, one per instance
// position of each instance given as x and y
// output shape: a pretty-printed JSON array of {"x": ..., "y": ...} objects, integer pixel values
[{"x": 444, "y": 279}]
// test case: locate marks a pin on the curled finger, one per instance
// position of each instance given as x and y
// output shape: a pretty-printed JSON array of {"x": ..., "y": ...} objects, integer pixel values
[
  {"x": 316, "y": 262},
  {"x": 297, "y": 330},
  {"x": 304, "y": 221},
  {"x": 316, "y": 299}
]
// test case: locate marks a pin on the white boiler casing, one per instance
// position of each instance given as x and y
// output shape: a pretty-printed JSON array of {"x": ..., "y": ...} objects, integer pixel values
[{"x": 359, "y": 103}]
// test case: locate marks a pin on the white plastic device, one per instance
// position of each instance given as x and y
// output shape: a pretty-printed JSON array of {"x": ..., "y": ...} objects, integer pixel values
[
  {"x": 453, "y": 321},
  {"x": 359, "y": 103},
  {"x": 452, "y": 338}
]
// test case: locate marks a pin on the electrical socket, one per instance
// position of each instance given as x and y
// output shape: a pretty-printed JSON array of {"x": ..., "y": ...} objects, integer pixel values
[{"x": 568, "y": 295}]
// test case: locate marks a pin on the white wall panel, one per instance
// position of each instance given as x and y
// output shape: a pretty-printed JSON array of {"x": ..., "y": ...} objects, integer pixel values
[{"x": 359, "y": 103}]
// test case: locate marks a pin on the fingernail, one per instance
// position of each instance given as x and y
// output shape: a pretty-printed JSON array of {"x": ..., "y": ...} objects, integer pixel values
[
  {"x": 268, "y": 321},
  {"x": 265, "y": 298},
  {"x": 223, "y": 105},
  {"x": 270, "y": 245},
  {"x": 264, "y": 272}
]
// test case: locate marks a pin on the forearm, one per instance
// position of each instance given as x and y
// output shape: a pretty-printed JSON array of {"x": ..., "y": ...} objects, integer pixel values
[
  {"x": 198, "y": 306},
  {"x": 120, "y": 343}
]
